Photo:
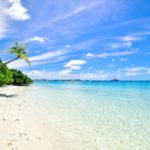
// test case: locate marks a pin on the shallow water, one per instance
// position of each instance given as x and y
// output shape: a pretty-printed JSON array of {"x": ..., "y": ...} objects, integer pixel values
[{"x": 93, "y": 115}]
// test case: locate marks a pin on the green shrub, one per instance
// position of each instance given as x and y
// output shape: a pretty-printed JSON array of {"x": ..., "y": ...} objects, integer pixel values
[
  {"x": 5, "y": 75},
  {"x": 12, "y": 76},
  {"x": 19, "y": 78}
]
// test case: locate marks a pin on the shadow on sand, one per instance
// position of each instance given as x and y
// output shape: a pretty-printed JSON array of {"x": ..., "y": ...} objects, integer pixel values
[{"x": 8, "y": 96}]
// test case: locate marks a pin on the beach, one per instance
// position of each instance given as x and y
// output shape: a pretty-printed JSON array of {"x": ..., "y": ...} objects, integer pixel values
[
  {"x": 18, "y": 126},
  {"x": 76, "y": 116}
]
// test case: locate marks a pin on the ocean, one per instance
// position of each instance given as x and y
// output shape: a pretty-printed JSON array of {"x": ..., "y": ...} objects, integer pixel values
[{"x": 93, "y": 115}]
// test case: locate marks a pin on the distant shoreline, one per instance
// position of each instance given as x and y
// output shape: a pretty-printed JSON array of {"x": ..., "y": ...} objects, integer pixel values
[{"x": 78, "y": 80}]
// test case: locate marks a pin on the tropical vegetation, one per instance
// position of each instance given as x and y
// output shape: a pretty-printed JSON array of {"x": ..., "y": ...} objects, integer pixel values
[
  {"x": 12, "y": 76},
  {"x": 19, "y": 78}
]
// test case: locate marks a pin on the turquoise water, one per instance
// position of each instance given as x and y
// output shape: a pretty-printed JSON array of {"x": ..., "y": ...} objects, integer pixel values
[{"x": 93, "y": 115}]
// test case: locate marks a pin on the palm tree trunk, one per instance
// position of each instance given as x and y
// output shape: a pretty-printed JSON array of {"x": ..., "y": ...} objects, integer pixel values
[{"x": 9, "y": 61}]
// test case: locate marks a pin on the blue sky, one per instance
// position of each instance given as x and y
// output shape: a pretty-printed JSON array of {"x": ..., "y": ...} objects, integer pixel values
[{"x": 98, "y": 39}]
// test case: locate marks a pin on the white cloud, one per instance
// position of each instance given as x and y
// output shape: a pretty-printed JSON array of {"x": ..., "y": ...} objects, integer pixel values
[
  {"x": 99, "y": 75},
  {"x": 89, "y": 55},
  {"x": 74, "y": 64},
  {"x": 75, "y": 67},
  {"x": 43, "y": 74},
  {"x": 131, "y": 72},
  {"x": 48, "y": 55},
  {"x": 122, "y": 45},
  {"x": 114, "y": 54},
  {"x": 64, "y": 72},
  {"x": 130, "y": 38},
  {"x": 134, "y": 71},
  {"x": 11, "y": 9},
  {"x": 16, "y": 10},
  {"x": 37, "y": 39}
]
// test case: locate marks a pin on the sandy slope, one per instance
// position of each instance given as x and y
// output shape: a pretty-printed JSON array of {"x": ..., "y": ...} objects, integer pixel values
[{"x": 19, "y": 129}]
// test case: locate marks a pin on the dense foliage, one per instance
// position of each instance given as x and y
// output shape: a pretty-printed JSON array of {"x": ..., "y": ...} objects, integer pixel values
[
  {"x": 5, "y": 75},
  {"x": 12, "y": 76},
  {"x": 19, "y": 78}
]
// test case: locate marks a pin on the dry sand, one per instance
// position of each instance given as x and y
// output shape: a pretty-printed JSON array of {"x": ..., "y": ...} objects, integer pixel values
[{"x": 19, "y": 130}]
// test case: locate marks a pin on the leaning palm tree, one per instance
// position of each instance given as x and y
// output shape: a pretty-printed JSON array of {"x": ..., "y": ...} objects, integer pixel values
[{"x": 20, "y": 51}]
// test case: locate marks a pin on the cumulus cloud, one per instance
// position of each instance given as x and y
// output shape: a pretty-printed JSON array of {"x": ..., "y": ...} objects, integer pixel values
[
  {"x": 16, "y": 10},
  {"x": 37, "y": 39},
  {"x": 74, "y": 64},
  {"x": 43, "y": 74},
  {"x": 11, "y": 10}
]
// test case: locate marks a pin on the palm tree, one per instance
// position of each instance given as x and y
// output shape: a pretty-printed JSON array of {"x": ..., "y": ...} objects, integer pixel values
[{"x": 20, "y": 51}]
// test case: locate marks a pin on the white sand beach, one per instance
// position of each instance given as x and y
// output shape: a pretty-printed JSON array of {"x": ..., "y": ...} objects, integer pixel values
[{"x": 19, "y": 130}]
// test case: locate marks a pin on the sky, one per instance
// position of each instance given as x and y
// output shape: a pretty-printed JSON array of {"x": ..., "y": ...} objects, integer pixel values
[{"x": 79, "y": 39}]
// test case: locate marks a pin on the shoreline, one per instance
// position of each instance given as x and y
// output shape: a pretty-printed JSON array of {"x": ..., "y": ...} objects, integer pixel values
[{"x": 18, "y": 124}]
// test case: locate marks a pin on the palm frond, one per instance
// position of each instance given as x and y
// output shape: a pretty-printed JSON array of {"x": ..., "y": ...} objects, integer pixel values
[{"x": 20, "y": 51}]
